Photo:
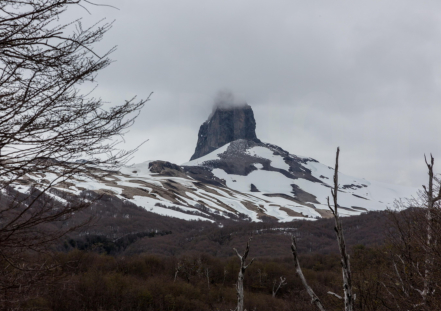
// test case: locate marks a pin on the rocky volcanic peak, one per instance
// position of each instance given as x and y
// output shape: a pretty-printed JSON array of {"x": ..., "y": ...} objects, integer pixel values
[
  {"x": 229, "y": 155},
  {"x": 226, "y": 124},
  {"x": 233, "y": 175}
]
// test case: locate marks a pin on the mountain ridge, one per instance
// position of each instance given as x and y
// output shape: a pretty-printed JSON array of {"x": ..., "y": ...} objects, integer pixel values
[{"x": 242, "y": 179}]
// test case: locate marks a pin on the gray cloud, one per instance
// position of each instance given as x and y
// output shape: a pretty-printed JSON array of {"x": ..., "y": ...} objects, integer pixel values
[
  {"x": 362, "y": 75},
  {"x": 225, "y": 99}
]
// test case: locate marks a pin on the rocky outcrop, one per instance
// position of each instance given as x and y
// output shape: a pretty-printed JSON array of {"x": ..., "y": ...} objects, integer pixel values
[
  {"x": 165, "y": 168},
  {"x": 204, "y": 175},
  {"x": 225, "y": 125},
  {"x": 254, "y": 188}
]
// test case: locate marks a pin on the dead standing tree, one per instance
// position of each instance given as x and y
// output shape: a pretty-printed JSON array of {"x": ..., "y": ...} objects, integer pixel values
[
  {"x": 428, "y": 286},
  {"x": 349, "y": 298},
  {"x": 415, "y": 252},
  {"x": 344, "y": 257},
  {"x": 243, "y": 267}
]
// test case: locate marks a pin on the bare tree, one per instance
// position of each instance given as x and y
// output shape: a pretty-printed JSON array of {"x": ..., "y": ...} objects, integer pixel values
[
  {"x": 348, "y": 297},
  {"x": 428, "y": 288},
  {"x": 344, "y": 257},
  {"x": 177, "y": 269},
  {"x": 243, "y": 267},
  {"x": 415, "y": 251},
  {"x": 47, "y": 124},
  {"x": 278, "y": 285}
]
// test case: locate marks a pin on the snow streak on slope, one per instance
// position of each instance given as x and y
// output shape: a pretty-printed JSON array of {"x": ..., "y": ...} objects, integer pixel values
[
  {"x": 276, "y": 160},
  {"x": 309, "y": 186},
  {"x": 179, "y": 197},
  {"x": 377, "y": 195},
  {"x": 208, "y": 157},
  {"x": 241, "y": 180}
]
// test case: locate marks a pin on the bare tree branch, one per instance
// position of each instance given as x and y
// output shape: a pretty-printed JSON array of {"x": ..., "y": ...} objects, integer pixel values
[
  {"x": 49, "y": 127},
  {"x": 334, "y": 294},
  {"x": 278, "y": 285},
  {"x": 314, "y": 299}
]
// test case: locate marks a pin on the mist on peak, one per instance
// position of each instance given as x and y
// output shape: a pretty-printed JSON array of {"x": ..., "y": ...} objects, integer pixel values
[
  {"x": 230, "y": 120},
  {"x": 226, "y": 100}
]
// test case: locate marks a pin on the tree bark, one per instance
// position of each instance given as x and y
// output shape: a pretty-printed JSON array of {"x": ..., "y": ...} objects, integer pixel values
[{"x": 239, "y": 284}]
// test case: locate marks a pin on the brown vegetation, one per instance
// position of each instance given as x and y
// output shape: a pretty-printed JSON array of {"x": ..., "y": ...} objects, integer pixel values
[
  {"x": 146, "y": 282},
  {"x": 161, "y": 263}
]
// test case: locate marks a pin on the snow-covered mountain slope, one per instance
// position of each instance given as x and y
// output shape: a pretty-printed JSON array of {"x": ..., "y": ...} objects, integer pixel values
[
  {"x": 162, "y": 188},
  {"x": 232, "y": 174},
  {"x": 241, "y": 180},
  {"x": 295, "y": 183}
]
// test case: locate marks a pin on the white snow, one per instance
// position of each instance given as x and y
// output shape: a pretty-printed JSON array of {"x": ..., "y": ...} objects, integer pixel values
[
  {"x": 263, "y": 152},
  {"x": 149, "y": 205},
  {"x": 141, "y": 169},
  {"x": 265, "y": 181},
  {"x": 208, "y": 157},
  {"x": 92, "y": 184},
  {"x": 378, "y": 196},
  {"x": 207, "y": 202}
]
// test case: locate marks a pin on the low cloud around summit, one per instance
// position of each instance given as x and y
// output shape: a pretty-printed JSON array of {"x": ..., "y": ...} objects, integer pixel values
[{"x": 225, "y": 99}]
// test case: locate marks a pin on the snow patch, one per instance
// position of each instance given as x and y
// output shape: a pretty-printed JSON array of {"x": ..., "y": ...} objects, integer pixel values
[
  {"x": 208, "y": 157},
  {"x": 263, "y": 152}
]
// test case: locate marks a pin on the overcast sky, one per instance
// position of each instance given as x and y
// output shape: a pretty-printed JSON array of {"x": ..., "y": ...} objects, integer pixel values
[{"x": 362, "y": 75}]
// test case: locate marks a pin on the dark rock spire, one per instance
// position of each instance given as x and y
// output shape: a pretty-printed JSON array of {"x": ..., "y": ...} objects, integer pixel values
[{"x": 226, "y": 124}]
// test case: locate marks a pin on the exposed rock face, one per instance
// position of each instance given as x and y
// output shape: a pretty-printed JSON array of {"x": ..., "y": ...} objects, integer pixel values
[
  {"x": 204, "y": 175},
  {"x": 254, "y": 188},
  {"x": 225, "y": 125},
  {"x": 165, "y": 168}
]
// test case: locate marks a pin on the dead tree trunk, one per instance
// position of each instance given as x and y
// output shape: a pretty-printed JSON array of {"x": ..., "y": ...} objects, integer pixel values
[
  {"x": 207, "y": 274},
  {"x": 178, "y": 268},
  {"x": 431, "y": 200},
  {"x": 345, "y": 262},
  {"x": 314, "y": 299},
  {"x": 349, "y": 298},
  {"x": 243, "y": 267}
]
